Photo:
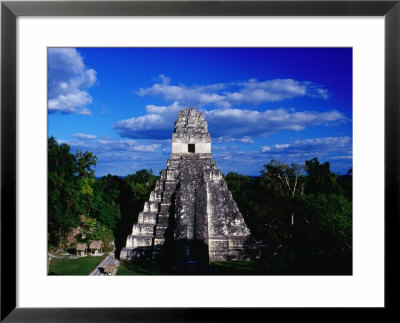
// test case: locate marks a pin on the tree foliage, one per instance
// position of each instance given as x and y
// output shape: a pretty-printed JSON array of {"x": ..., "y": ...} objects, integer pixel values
[
  {"x": 282, "y": 178},
  {"x": 320, "y": 179},
  {"x": 303, "y": 220},
  {"x": 74, "y": 192},
  {"x": 108, "y": 205},
  {"x": 141, "y": 182},
  {"x": 84, "y": 163},
  {"x": 63, "y": 199}
]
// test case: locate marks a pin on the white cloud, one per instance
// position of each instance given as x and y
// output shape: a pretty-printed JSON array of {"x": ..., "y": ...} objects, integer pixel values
[
  {"x": 243, "y": 140},
  {"x": 336, "y": 150},
  {"x": 341, "y": 157},
  {"x": 312, "y": 146},
  {"x": 68, "y": 81},
  {"x": 101, "y": 146},
  {"x": 83, "y": 136},
  {"x": 238, "y": 123},
  {"x": 229, "y": 125},
  {"x": 225, "y": 95},
  {"x": 158, "y": 123}
]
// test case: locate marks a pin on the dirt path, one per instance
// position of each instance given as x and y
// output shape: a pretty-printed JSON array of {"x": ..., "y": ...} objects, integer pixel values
[{"x": 99, "y": 269}]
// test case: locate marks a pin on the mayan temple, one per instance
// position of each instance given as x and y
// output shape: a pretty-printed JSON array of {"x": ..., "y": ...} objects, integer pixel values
[{"x": 191, "y": 217}]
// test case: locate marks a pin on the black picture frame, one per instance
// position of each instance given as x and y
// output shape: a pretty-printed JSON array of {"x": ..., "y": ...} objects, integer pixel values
[{"x": 10, "y": 10}]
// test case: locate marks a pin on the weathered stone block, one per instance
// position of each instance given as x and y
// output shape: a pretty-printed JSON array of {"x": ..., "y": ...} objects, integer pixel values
[
  {"x": 143, "y": 229},
  {"x": 147, "y": 217}
]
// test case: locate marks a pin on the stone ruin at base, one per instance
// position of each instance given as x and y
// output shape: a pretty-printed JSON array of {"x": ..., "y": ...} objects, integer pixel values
[{"x": 191, "y": 217}]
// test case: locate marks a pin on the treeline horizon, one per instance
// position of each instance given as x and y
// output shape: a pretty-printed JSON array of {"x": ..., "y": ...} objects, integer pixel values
[
  {"x": 300, "y": 214},
  {"x": 349, "y": 172}
]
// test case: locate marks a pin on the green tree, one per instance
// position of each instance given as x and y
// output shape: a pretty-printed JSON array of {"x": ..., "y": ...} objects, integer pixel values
[
  {"x": 320, "y": 179},
  {"x": 62, "y": 194},
  {"x": 70, "y": 188},
  {"x": 319, "y": 243},
  {"x": 84, "y": 163},
  {"x": 246, "y": 192},
  {"x": 284, "y": 179},
  {"x": 106, "y": 200},
  {"x": 323, "y": 239},
  {"x": 345, "y": 183},
  {"x": 141, "y": 182}
]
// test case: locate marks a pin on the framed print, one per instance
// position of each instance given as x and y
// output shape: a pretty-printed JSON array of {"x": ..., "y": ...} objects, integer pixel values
[{"x": 336, "y": 63}]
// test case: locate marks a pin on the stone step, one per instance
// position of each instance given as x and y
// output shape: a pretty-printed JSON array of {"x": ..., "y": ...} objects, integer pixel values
[
  {"x": 142, "y": 229},
  {"x": 162, "y": 220},
  {"x": 159, "y": 241},
  {"x": 160, "y": 231},
  {"x": 147, "y": 217},
  {"x": 167, "y": 194},
  {"x": 142, "y": 253},
  {"x": 155, "y": 196},
  {"x": 164, "y": 207},
  {"x": 150, "y": 206},
  {"x": 138, "y": 241}
]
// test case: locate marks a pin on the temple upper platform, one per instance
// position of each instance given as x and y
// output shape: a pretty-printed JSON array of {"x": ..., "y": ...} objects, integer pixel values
[{"x": 190, "y": 134}]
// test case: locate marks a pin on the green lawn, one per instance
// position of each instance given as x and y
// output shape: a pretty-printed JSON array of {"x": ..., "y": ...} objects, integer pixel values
[
  {"x": 127, "y": 268},
  {"x": 81, "y": 266},
  {"x": 244, "y": 267}
]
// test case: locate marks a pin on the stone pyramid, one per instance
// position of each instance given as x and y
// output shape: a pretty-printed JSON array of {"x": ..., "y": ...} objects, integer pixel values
[{"x": 190, "y": 216}]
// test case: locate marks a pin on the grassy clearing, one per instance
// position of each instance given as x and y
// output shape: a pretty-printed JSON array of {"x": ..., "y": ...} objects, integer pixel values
[
  {"x": 77, "y": 267},
  {"x": 127, "y": 268},
  {"x": 245, "y": 267}
]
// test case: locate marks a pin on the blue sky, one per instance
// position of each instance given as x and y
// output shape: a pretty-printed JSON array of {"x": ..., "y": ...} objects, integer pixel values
[{"x": 291, "y": 104}]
